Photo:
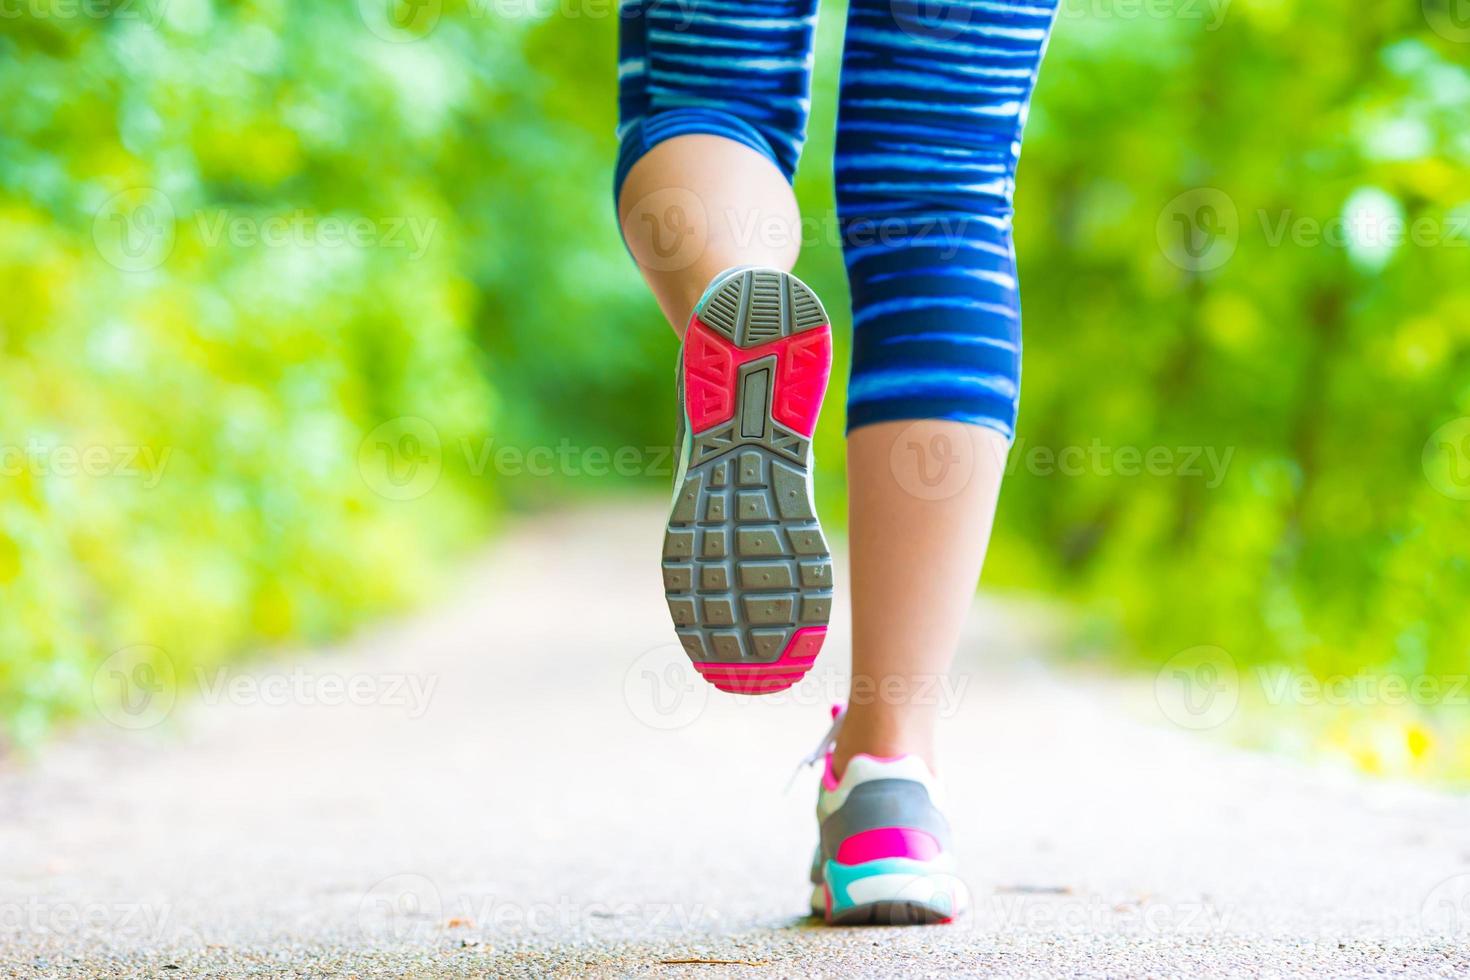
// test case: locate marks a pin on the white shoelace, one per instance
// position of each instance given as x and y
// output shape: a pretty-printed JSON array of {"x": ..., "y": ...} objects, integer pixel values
[{"x": 819, "y": 753}]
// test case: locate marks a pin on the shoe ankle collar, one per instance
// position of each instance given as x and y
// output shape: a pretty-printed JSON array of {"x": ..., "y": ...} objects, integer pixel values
[{"x": 864, "y": 767}]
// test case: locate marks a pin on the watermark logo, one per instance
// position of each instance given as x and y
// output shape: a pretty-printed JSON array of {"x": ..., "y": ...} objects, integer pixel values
[
  {"x": 137, "y": 229},
  {"x": 400, "y": 21},
  {"x": 1450, "y": 19},
  {"x": 1198, "y": 230},
  {"x": 1446, "y": 909},
  {"x": 667, "y": 230},
  {"x": 401, "y": 459},
  {"x": 135, "y": 687},
  {"x": 1446, "y": 459},
  {"x": 1198, "y": 688},
  {"x": 932, "y": 460},
  {"x": 932, "y": 20},
  {"x": 662, "y": 690},
  {"x": 945, "y": 895},
  {"x": 134, "y": 229},
  {"x": 401, "y": 908}
]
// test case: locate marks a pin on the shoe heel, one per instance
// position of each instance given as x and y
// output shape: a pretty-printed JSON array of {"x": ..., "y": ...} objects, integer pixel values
[{"x": 893, "y": 891}]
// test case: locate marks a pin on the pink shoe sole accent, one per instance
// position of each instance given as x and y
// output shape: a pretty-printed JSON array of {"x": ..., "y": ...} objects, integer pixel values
[
  {"x": 778, "y": 675},
  {"x": 712, "y": 365}
]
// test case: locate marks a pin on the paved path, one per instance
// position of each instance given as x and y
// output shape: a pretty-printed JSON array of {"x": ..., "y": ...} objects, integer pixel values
[{"x": 531, "y": 790}]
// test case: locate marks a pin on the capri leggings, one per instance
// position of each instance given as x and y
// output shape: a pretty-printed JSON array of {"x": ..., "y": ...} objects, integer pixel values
[{"x": 933, "y": 101}]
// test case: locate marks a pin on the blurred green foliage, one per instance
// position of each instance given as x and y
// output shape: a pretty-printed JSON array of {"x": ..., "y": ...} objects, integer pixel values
[
  {"x": 1197, "y": 199},
  {"x": 1322, "y": 356},
  {"x": 248, "y": 365}
]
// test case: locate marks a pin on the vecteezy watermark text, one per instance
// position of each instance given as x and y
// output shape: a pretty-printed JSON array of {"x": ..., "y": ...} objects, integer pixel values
[
  {"x": 136, "y": 230},
  {"x": 1096, "y": 458},
  {"x": 402, "y": 458},
  {"x": 37, "y": 917},
  {"x": 137, "y": 688},
  {"x": 147, "y": 11},
  {"x": 1201, "y": 687},
  {"x": 1210, "y": 12},
  {"x": 1282, "y": 685},
  {"x": 410, "y": 906},
  {"x": 663, "y": 691},
  {"x": 411, "y": 692},
  {"x": 39, "y": 458},
  {"x": 303, "y": 229},
  {"x": 1200, "y": 229},
  {"x": 566, "y": 458},
  {"x": 1365, "y": 229}
]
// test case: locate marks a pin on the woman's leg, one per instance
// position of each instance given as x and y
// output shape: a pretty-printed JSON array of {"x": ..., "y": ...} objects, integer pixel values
[
  {"x": 713, "y": 100},
  {"x": 714, "y": 108},
  {"x": 685, "y": 209},
  {"x": 934, "y": 99},
  {"x": 916, "y": 558}
]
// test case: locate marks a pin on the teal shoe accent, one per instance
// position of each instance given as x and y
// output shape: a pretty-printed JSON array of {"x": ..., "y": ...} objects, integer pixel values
[{"x": 931, "y": 884}]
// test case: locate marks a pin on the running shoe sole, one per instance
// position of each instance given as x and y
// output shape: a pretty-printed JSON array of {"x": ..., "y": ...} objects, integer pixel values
[
  {"x": 891, "y": 914},
  {"x": 747, "y": 572}
]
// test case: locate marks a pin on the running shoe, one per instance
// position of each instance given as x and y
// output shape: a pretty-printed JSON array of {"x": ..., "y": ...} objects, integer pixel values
[
  {"x": 884, "y": 855},
  {"x": 747, "y": 572}
]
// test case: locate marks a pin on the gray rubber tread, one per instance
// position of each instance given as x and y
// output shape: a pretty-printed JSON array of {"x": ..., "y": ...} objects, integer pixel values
[
  {"x": 755, "y": 306},
  {"x": 721, "y": 311}
]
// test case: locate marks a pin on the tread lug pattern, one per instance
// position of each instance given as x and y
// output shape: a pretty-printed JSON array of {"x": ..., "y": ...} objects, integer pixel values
[{"x": 762, "y": 570}]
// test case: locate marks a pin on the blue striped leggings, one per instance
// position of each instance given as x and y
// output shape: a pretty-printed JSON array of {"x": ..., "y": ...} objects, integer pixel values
[{"x": 933, "y": 102}]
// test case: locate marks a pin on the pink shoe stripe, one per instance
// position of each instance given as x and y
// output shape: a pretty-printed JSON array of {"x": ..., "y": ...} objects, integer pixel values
[{"x": 888, "y": 842}]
